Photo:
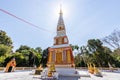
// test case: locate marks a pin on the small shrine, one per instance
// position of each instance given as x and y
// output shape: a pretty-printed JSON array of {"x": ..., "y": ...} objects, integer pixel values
[
  {"x": 10, "y": 67},
  {"x": 51, "y": 70},
  {"x": 61, "y": 52}
]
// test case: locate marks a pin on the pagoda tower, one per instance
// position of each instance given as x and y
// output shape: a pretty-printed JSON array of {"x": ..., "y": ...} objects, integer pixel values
[{"x": 60, "y": 53}]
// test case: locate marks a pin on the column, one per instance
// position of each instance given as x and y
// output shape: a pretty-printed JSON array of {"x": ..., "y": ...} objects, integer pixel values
[
  {"x": 53, "y": 56},
  {"x": 64, "y": 56}
]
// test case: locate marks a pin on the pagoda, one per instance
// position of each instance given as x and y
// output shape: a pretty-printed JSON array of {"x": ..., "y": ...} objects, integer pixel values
[{"x": 60, "y": 53}]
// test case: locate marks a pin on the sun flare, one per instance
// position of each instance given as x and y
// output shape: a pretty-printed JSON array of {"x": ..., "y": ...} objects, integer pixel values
[{"x": 64, "y": 10}]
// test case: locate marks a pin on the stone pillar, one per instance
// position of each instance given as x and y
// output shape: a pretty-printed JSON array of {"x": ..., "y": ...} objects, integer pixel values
[
  {"x": 53, "y": 56},
  {"x": 64, "y": 56}
]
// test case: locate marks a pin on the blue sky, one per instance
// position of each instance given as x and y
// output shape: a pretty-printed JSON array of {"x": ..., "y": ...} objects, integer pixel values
[{"x": 84, "y": 19}]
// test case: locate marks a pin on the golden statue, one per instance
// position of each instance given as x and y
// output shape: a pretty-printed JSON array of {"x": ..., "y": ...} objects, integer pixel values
[
  {"x": 50, "y": 74},
  {"x": 90, "y": 68},
  {"x": 40, "y": 67},
  {"x": 51, "y": 70},
  {"x": 95, "y": 69},
  {"x": 39, "y": 70},
  {"x": 97, "y": 72},
  {"x": 10, "y": 67}
]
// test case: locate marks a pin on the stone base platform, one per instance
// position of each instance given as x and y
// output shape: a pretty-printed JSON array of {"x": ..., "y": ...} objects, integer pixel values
[
  {"x": 67, "y": 74},
  {"x": 65, "y": 70},
  {"x": 68, "y": 77}
]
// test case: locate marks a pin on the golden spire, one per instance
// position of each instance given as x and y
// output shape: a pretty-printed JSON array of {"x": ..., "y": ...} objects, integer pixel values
[
  {"x": 60, "y": 20},
  {"x": 61, "y": 9}
]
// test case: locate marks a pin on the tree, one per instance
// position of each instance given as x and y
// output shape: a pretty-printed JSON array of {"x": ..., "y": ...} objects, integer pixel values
[
  {"x": 78, "y": 59},
  {"x": 101, "y": 55},
  {"x": 31, "y": 56},
  {"x": 74, "y": 47},
  {"x": 94, "y": 52},
  {"x": 4, "y": 52},
  {"x": 94, "y": 45},
  {"x": 31, "y": 59},
  {"x": 113, "y": 39},
  {"x": 5, "y": 46},
  {"x": 5, "y": 39},
  {"x": 85, "y": 54},
  {"x": 44, "y": 57},
  {"x": 83, "y": 57},
  {"x": 20, "y": 59},
  {"x": 116, "y": 56},
  {"x": 38, "y": 49},
  {"x": 35, "y": 56},
  {"x": 23, "y": 49}
]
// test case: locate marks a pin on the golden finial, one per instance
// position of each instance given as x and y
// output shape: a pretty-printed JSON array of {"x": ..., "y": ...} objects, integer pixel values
[{"x": 60, "y": 8}]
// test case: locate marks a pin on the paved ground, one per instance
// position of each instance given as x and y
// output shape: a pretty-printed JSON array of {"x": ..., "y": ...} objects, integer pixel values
[{"x": 25, "y": 75}]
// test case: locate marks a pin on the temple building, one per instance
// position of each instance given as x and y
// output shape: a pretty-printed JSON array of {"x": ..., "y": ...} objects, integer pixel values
[{"x": 60, "y": 53}]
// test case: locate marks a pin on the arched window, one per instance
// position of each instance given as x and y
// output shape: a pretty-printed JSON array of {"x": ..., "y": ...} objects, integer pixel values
[{"x": 65, "y": 39}]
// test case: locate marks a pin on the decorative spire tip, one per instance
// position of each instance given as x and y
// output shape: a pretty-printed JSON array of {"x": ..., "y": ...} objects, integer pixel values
[{"x": 60, "y": 8}]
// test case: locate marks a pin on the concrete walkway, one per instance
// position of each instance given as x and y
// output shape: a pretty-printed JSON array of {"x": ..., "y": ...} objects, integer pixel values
[{"x": 25, "y": 75}]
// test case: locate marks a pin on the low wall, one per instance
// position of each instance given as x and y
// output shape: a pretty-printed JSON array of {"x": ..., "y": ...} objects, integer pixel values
[
  {"x": 80, "y": 68},
  {"x": 19, "y": 68},
  {"x": 100, "y": 68},
  {"x": 1, "y": 68}
]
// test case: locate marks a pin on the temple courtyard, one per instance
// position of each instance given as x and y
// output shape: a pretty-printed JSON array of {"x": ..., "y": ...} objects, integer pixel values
[{"x": 27, "y": 75}]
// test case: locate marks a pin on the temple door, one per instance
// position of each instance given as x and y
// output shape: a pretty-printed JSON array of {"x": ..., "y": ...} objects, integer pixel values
[
  {"x": 68, "y": 56},
  {"x": 59, "y": 58}
]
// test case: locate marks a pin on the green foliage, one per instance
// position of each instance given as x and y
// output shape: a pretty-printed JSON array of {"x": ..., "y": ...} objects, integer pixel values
[
  {"x": 4, "y": 39},
  {"x": 2, "y": 58},
  {"x": 38, "y": 58},
  {"x": 23, "y": 49},
  {"x": 74, "y": 47},
  {"x": 4, "y": 53},
  {"x": 5, "y": 47},
  {"x": 116, "y": 56},
  {"x": 29, "y": 56},
  {"x": 38, "y": 49},
  {"x": 4, "y": 50},
  {"x": 20, "y": 59},
  {"x": 94, "y": 45},
  {"x": 95, "y": 53}
]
